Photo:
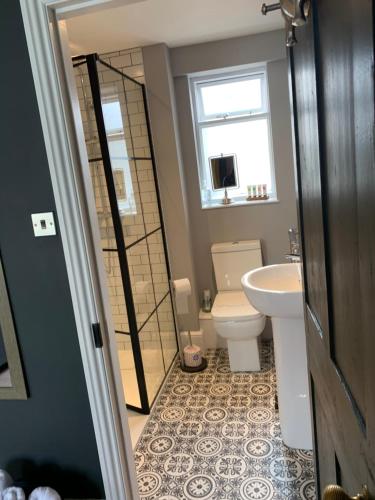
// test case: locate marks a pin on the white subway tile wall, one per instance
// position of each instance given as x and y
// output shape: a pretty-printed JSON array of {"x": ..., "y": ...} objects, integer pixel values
[{"x": 135, "y": 189}]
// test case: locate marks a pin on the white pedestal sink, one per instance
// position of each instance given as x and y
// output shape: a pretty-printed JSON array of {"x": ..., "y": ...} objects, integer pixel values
[{"x": 276, "y": 291}]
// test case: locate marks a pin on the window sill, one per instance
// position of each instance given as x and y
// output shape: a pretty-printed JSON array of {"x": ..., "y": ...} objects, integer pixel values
[{"x": 240, "y": 203}]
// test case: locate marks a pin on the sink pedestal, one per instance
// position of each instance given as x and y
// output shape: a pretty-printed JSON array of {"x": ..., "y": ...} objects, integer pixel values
[
  {"x": 277, "y": 292},
  {"x": 292, "y": 381}
]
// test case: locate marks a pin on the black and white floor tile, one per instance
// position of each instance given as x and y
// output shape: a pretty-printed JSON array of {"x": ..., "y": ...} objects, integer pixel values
[{"x": 216, "y": 435}]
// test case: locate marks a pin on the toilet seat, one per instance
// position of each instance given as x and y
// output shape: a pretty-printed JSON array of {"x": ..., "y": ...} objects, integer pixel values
[{"x": 233, "y": 306}]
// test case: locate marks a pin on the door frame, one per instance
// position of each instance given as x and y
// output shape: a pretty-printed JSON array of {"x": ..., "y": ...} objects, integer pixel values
[{"x": 75, "y": 205}]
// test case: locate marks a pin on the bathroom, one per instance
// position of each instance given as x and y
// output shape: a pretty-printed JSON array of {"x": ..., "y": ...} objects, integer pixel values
[
  {"x": 187, "y": 250},
  {"x": 157, "y": 132},
  {"x": 196, "y": 225}
]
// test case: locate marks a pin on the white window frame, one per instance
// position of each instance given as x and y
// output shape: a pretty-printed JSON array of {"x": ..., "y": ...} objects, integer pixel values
[{"x": 202, "y": 121}]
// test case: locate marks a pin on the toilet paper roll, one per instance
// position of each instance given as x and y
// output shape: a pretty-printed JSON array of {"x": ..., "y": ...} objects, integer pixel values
[{"x": 182, "y": 290}]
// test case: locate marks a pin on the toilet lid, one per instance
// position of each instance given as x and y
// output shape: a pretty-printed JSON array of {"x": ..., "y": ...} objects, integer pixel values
[{"x": 233, "y": 306}]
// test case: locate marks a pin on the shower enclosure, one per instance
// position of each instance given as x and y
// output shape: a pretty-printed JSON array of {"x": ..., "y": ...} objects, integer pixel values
[{"x": 122, "y": 169}]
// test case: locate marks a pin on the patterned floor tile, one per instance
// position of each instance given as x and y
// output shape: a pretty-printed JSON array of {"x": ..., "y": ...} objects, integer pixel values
[{"x": 216, "y": 435}]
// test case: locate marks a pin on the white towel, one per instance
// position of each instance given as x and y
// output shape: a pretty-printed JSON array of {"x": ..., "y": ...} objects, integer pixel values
[
  {"x": 5, "y": 481},
  {"x": 44, "y": 493},
  {"x": 13, "y": 493}
]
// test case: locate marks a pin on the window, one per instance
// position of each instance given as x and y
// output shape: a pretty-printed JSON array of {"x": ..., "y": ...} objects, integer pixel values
[
  {"x": 115, "y": 130},
  {"x": 232, "y": 119}
]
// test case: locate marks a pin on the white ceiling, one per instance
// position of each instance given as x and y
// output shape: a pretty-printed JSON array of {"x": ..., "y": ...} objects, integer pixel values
[{"x": 174, "y": 22}]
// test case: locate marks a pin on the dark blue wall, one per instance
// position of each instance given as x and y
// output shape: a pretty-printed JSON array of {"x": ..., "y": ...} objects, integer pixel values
[{"x": 49, "y": 438}]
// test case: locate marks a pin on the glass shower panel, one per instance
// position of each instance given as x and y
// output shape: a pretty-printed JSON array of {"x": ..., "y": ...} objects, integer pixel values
[
  {"x": 115, "y": 285},
  {"x": 167, "y": 332},
  {"x": 141, "y": 281},
  {"x": 87, "y": 112},
  {"x": 148, "y": 196},
  {"x": 121, "y": 145},
  {"x": 115, "y": 107},
  {"x": 129, "y": 375},
  {"x": 116, "y": 292},
  {"x": 158, "y": 265},
  {"x": 152, "y": 356},
  {"x": 122, "y": 170},
  {"x": 103, "y": 208},
  {"x": 110, "y": 253}
]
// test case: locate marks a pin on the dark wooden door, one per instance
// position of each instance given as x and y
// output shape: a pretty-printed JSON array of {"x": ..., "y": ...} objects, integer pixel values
[{"x": 332, "y": 87}]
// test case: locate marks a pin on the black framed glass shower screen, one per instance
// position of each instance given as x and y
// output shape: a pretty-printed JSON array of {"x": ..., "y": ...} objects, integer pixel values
[{"x": 122, "y": 169}]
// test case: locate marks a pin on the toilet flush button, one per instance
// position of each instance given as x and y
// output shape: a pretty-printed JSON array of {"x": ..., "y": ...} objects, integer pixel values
[{"x": 43, "y": 224}]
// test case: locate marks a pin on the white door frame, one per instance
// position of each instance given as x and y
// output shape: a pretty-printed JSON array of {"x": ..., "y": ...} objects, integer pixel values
[{"x": 75, "y": 205}]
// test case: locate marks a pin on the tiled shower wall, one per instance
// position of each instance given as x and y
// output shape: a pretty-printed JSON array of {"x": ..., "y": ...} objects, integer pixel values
[{"x": 146, "y": 259}]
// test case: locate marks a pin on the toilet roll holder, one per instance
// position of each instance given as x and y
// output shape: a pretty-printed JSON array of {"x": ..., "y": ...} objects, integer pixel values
[{"x": 183, "y": 366}]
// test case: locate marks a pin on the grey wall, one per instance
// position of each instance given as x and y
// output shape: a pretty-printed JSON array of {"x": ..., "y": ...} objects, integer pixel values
[
  {"x": 238, "y": 51},
  {"x": 164, "y": 125},
  {"x": 267, "y": 222},
  {"x": 49, "y": 438}
]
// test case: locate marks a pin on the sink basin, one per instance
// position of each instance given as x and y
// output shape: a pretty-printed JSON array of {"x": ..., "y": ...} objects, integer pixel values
[{"x": 275, "y": 290}]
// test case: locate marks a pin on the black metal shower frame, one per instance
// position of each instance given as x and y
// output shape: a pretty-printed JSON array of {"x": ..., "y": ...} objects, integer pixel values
[{"x": 91, "y": 61}]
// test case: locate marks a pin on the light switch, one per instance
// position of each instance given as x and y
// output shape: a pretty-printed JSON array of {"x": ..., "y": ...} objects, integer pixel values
[{"x": 43, "y": 224}]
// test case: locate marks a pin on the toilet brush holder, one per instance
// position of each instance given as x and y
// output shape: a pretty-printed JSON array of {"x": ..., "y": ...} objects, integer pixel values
[
  {"x": 193, "y": 359},
  {"x": 193, "y": 369},
  {"x": 192, "y": 356}
]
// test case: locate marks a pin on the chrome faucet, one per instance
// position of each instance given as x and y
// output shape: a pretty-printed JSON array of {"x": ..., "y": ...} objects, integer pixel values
[{"x": 294, "y": 255}]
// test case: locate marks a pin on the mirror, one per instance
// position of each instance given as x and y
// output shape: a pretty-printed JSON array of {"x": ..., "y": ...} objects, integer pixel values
[
  {"x": 223, "y": 171},
  {"x": 12, "y": 384}
]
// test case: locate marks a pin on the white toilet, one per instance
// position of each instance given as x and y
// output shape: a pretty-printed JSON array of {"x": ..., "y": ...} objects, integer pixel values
[{"x": 235, "y": 319}]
